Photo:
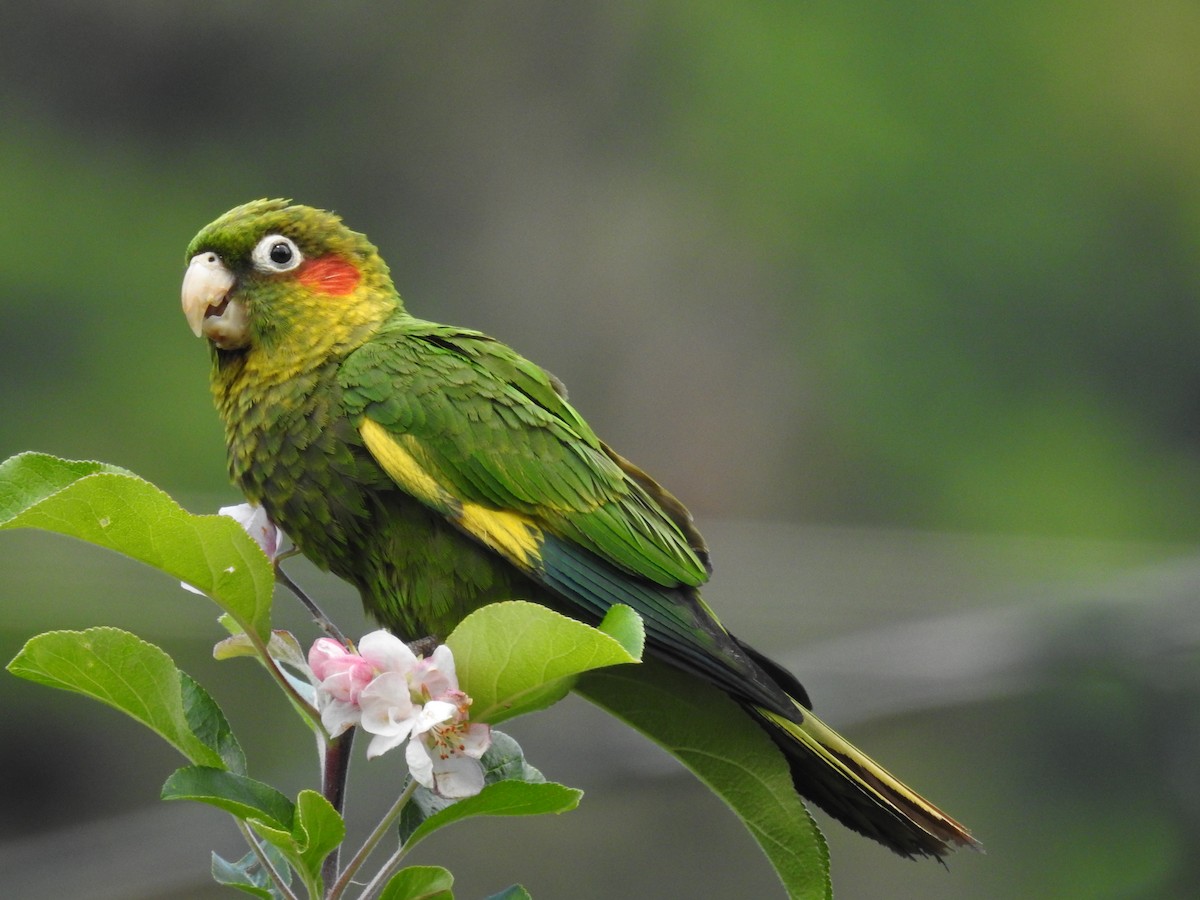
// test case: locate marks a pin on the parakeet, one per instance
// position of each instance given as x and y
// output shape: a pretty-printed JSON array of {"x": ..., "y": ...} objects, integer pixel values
[{"x": 437, "y": 470}]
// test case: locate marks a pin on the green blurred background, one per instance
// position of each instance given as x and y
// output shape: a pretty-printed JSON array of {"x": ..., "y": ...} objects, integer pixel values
[{"x": 902, "y": 300}]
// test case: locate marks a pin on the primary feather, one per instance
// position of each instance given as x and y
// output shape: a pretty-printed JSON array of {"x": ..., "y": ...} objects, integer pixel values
[{"x": 437, "y": 470}]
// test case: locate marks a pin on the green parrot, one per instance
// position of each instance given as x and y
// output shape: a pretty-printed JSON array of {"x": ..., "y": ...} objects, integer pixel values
[{"x": 437, "y": 471}]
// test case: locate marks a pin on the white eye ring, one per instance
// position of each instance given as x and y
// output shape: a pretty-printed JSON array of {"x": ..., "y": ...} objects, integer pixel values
[{"x": 276, "y": 253}]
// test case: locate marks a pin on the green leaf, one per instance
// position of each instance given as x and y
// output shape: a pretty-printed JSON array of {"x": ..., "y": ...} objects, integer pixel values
[
  {"x": 317, "y": 830},
  {"x": 282, "y": 647},
  {"x": 504, "y": 760},
  {"x": 29, "y": 477},
  {"x": 714, "y": 738},
  {"x": 247, "y": 874},
  {"x": 113, "y": 508},
  {"x": 237, "y": 794},
  {"x": 307, "y": 838},
  {"x": 139, "y": 679},
  {"x": 209, "y": 724},
  {"x": 626, "y": 627},
  {"x": 419, "y": 883},
  {"x": 504, "y": 798},
  {"x": 513, "y": 892},
  {"x": 518, "y": 657}
]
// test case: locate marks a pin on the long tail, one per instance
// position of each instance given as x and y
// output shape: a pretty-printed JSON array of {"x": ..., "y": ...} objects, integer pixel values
[
  {"x": 684, "y": 633},
  {"x": 858, "y": 792}
]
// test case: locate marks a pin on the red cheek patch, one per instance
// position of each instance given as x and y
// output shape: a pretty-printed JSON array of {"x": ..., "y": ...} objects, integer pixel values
[{"x": 328, "y": 275}]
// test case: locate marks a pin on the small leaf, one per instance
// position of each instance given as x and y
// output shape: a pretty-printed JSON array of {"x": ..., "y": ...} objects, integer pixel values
[
  {"x": 419, "y": 883},
  {"x": 626, "y": 627},
  {"x": 282, "y": 646},
  {"x": 317, "y": 830},
  {"x": 137, "y": 678},
  {"x": 233, "y": 647},
  {"x": 504, "y": 798},
  {"x": 513, "y": 892},
  {"x": 247, "y": 874},
  {"x": 243, "y": 797},
  {"x": 711, "y": 735},
  {"x": 504, "y": 760},
  {"x": 285, "y": 648},
  {"x": 113, "y": 508},
  {"x": 517, "y": 657}
]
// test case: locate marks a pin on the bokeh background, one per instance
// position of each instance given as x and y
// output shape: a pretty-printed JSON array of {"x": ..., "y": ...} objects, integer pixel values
[{"x": 902, "y": 299}]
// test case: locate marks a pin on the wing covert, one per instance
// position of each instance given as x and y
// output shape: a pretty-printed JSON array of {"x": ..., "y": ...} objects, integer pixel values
[{"x": 485, "y": 427}]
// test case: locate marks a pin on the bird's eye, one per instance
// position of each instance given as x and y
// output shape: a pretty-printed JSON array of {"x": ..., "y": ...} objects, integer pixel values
[{"x": 276, "y": 253}]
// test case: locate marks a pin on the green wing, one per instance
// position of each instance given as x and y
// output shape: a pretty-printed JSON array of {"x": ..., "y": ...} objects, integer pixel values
[
  {"x": 484, "y": 437},
  {"x": 487, "y": 427}
]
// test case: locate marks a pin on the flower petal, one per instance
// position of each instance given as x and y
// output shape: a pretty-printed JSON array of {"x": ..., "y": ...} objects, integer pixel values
[
  {"x": 434, "y": 677},
  {"x": 382, "y": 743},
  {"x": 257, "y": 524},
  {"x": 457, "y": 776},
  {"x": 348, "y": 685},
  {"x": 387, "y": 707},
  {"x": 326, "y": 656},
  {"x": 432, "y": 714},
  {"x": 336, "y": 715},
  {"x": 386, "y": 652},
  {"x": 420, "y": 764},
  {"x": 474, "y": 740}
]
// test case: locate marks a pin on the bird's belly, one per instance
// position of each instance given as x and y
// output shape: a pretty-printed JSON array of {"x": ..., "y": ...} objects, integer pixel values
[
  {"x": 417, "y": 574},
  {"x": 304, "y": 461},
  {"x": 421, "y": 575}
]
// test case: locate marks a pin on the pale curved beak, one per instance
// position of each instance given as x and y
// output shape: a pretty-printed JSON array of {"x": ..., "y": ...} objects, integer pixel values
[{"x": 207, "y": 306}]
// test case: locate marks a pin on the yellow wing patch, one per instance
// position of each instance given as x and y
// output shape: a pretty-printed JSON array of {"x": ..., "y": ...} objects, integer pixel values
[
  {"x": 511, "y": 534},
  {"x": 402, "y": 467}
]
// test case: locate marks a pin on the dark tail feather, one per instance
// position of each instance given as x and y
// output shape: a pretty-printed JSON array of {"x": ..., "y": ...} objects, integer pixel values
[{"x": 858, "y": 792}]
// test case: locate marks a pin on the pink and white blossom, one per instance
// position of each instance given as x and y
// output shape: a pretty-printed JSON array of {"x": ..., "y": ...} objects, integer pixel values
[
  {"x": 396, "y": 696},
  {"x": 340, "y": 677},
  {"x": 388, "y": 712},
  {"x": 387, "y": 653},
  {"x": 258, "y": 525},
  {"x": 445, "y": 757}
]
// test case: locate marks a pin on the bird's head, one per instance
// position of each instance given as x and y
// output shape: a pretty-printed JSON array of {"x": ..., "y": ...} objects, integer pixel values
[{"x": 274, "y": 275}]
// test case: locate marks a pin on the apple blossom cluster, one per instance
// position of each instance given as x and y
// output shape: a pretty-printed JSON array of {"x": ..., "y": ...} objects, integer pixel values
[{"x": 397, "y": 696}]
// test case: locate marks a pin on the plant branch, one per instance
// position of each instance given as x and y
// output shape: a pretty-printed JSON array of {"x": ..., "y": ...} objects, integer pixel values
[
  {"x": 370, "y": 843},
  {"x": 381, "y": 877},
  {"x": 272, "y": 666},
  {"x": 325, "y": 623},
  {"x": 335, "y": 766},
  {"x": 264, "y": 861}
]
